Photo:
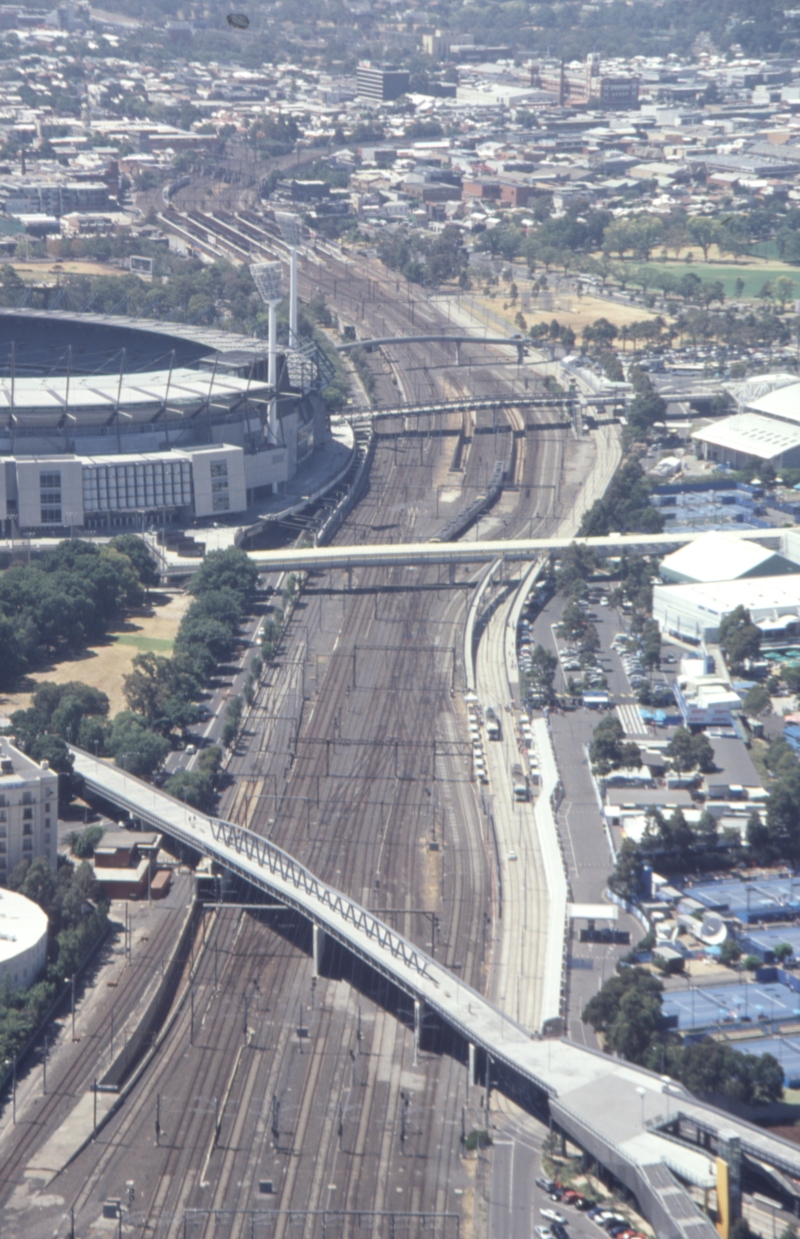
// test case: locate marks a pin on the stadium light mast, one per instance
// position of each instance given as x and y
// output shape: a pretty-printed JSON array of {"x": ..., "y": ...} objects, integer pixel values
[
  {"x": 289, "y": 225},
  {"x": 268, "y": 279}
]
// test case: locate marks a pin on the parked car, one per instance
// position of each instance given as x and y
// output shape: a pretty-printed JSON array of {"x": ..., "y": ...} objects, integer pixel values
[
  {"x": 543, "y": 1232},
  {"x": 546, "y": 1185},
  {"x": 553, "y": 1215}
]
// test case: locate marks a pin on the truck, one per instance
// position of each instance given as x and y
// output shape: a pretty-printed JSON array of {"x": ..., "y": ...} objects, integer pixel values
[
  {"x": 519, "y": 782},
  {"x": 493, "y": 729}
]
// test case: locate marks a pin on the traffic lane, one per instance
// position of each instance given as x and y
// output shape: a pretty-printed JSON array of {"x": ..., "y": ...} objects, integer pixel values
[{"x": 516, "y": 1200}]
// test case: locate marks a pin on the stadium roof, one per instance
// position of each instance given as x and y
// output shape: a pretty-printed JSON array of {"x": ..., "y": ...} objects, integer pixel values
[{"x": 104, "y": 392}]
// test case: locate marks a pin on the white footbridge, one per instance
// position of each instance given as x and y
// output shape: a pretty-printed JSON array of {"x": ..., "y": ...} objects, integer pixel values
[{"x": 648, "y": 1131}]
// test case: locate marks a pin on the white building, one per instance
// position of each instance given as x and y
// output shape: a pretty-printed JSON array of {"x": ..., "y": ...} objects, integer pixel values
[
  {"x": 767, "y": 428},
  {"x": 693, "y": 612},
  {"x": 23, "y": 940},
  {"x": 719, "y": 556},
  {"x": 704, "y": 700},
  {"x": 28, "y": 810}
]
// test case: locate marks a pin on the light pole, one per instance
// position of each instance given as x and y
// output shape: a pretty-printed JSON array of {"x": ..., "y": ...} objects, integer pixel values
[
  {"x": 289, "y": 225},
  {"x": 268, "y": 278}
]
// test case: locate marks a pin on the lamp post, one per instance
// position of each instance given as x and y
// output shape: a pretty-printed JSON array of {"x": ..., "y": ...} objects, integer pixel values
[{"x": 268, "y": 278}]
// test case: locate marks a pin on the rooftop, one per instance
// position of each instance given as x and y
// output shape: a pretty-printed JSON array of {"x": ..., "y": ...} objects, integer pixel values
[
  {"x": 714, "y": 557},
  {"x": 754, "y": 434},
  {"x": 22, "y": 924}
]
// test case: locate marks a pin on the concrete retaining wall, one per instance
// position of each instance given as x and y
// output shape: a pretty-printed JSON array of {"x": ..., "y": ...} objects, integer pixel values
[{"x": 155, "y": 1008}]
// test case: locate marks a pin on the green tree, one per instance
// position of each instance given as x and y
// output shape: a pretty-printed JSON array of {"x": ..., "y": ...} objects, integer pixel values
[
  {"x": 231, "y": 569},
  {"x": 703, "y": 231},
  {"x": 757, "y": 700},
  {"x": 739, "y": 638},
  {"x": 140, "y": 556},
  {"x": 134, "y": 747}
]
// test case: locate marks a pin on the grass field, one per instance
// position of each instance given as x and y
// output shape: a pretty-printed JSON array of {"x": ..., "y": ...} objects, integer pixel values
[
  {"x": 753, "y": 275},
  {"x": 105, "y": 666},
  {"x": 150, "y": 645}
]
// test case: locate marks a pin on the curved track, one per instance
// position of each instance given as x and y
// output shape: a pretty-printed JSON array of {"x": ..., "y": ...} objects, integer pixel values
[{"x": 355, "y": 759}]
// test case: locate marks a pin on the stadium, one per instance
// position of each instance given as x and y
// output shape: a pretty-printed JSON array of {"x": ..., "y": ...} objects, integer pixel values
[{"x": 113, "y": 423}]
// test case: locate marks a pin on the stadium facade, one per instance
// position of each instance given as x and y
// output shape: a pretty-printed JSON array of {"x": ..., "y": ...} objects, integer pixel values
[{"x": 111, "y": 423}]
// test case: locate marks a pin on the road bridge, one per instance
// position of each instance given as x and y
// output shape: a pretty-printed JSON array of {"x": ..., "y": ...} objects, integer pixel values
[{"x": 651, "y": 1133}]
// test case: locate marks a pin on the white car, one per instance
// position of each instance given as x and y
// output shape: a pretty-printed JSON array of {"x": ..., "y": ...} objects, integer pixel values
[
  {"x": 604, "y": 601},
  {"x": 543, "y": 1232},
  {"x": 553, "y": 1215}
]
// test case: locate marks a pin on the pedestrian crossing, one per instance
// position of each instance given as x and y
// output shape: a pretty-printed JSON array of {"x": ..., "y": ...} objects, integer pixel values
[{"x": 631, "y": 720}]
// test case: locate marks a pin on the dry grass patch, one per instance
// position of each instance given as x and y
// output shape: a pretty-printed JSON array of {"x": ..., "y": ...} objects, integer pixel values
[{"x": 105, "y": 666}]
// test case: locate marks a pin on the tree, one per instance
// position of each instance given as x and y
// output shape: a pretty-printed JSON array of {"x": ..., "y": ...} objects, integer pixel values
[
  {"x": 609, "y": 750},
  {"x": 231, "y": 569},
  {"x": 688, "y": 752},
  {"x": 757, "y": 700},
  {"x": 783, "y": 291},
  {"x": 739, "y": 638},
  {"x": 140, "y": 556},
  {"x": 134, "y": 747},
  {"x": 83, "y": 843},
  {"x": 543, "y": 670},
  {"x": 730, "y": 952},
  {"x": 703, "y": 232},
  {"x": 193, "y": 787}
]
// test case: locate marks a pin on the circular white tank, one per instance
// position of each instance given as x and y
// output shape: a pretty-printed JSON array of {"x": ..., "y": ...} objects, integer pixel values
[{"x": 23, "y": 940}]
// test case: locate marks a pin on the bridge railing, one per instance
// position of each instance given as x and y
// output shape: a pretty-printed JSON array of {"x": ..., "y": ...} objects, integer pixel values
[{"x": 259, "y": 850}]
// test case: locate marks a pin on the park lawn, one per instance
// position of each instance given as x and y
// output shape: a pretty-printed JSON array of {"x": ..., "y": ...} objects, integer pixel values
[
  {"x": 105, "y": 666},
  {"x": 754, "y": 276},
  {"x": 149, "y": 645}
]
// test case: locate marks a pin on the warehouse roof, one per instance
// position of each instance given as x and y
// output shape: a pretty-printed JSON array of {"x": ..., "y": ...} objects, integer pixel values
[
  {"x": 715, "y": 557},
  {"x": 765, "y": 597},
  {"x": 783, "y": 403},
  {"x": 755, "y": 434}
]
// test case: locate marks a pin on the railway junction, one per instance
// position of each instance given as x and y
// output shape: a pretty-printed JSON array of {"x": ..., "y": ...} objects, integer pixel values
[{"x": 288, "y": 1100}]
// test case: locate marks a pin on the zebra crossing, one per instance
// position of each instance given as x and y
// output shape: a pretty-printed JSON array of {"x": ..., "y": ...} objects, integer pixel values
[{"x": 631, "y": 720}]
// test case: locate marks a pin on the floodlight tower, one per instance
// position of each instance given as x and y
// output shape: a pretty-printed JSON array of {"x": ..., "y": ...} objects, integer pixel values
[
  {"x": 268, "y": 279},
  {"x": 289, "y": 225}
]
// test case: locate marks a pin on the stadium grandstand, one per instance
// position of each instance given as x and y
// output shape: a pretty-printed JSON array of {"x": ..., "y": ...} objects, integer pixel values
[{"x": 112, "y": 423}]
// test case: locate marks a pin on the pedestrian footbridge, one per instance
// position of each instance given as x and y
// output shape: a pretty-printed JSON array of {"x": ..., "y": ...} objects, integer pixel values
[{"x": 648, "y": 1131}]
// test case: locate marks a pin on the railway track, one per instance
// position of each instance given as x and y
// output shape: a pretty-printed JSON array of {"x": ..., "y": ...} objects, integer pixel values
[{"x": 338, "y": 767}]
